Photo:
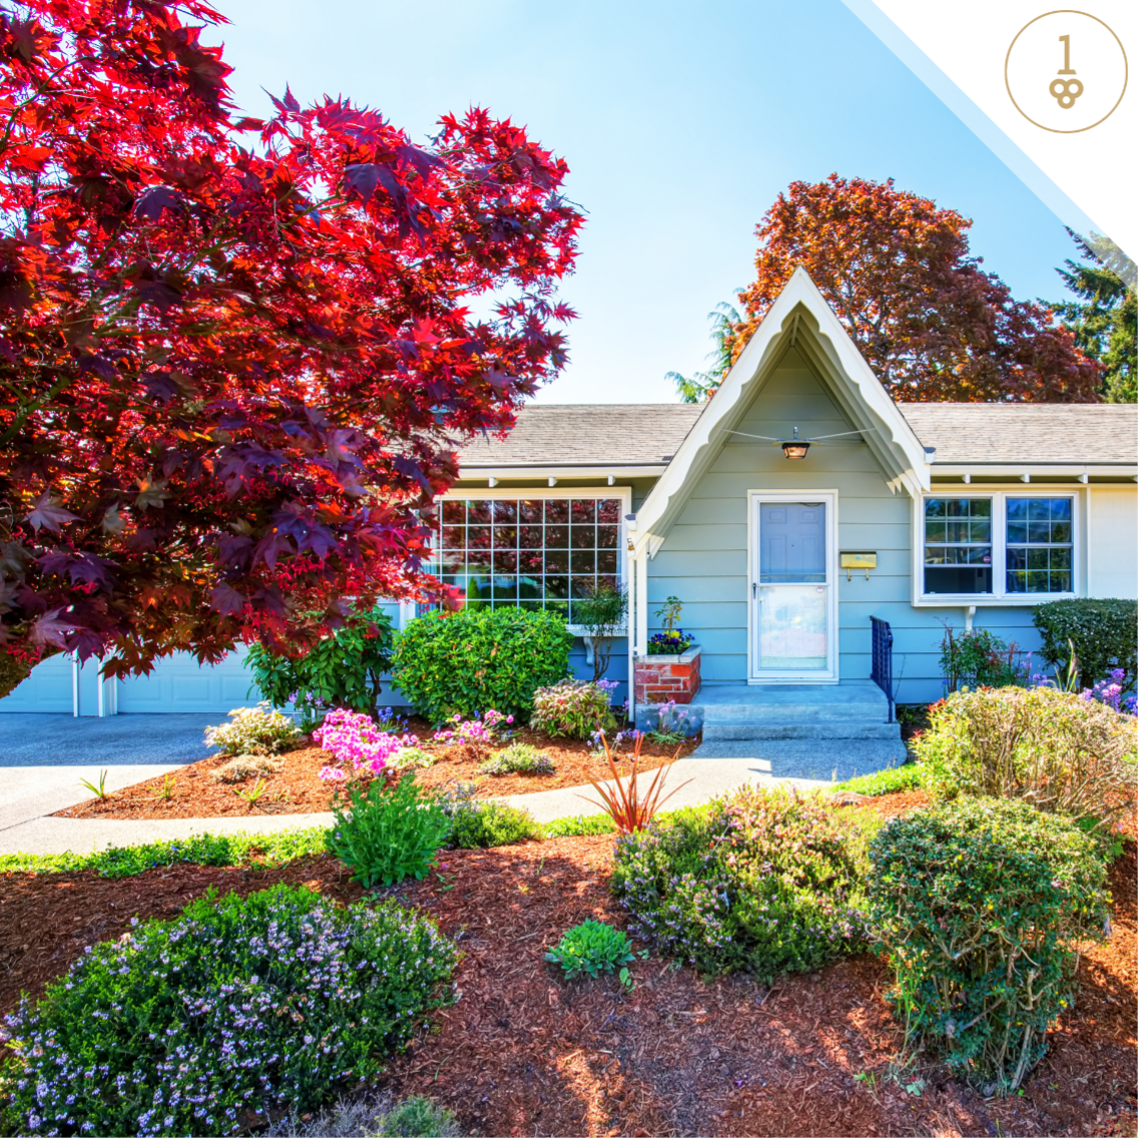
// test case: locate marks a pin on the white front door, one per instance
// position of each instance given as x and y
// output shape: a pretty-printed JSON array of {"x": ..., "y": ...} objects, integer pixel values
[{"x": 793, "y": 612}]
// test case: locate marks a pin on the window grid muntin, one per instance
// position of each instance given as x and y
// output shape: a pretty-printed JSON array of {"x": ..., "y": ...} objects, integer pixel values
[
  {"x": 538, "y": 552},
  {"x": 1041, "y": 556},
  {"x": 958, "y": 544},
  {"x": 999, "y": 500}
]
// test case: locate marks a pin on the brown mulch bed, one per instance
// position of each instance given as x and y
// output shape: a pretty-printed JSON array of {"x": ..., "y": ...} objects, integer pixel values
[
  {"x": 297, "y": 788},
  {"x": 525, "y": 1053}
]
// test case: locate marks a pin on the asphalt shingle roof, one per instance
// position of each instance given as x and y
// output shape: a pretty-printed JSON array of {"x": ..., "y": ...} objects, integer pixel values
[
  {"x": 595, "y": 435},
  {"x": 1027, "y": 433},
  {"x": 569, "y": 435}
]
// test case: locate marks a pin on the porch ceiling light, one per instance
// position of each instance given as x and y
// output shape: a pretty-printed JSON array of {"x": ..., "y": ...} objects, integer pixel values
[{"x": 795, "y": 449}]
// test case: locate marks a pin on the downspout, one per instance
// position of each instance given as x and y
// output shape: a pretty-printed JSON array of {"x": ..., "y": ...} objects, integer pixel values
[{"x": 969, "y": 616}]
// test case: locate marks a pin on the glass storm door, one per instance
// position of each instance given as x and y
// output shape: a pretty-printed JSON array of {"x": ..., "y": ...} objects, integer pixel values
[{"x": 792, "y": 590}]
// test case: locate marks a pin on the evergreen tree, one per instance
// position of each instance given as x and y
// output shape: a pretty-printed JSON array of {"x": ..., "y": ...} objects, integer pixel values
[{"x": 1105, "y": 320}]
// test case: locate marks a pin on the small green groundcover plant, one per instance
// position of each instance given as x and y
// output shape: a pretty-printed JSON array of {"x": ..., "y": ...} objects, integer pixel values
[
  {"x": 370, "y": 1114},
  {"x": 1102, "y": 632},
  {"x": 239, "y": 1010},
  {"x": 519, "y": 757},
  {"x": 761, "y": 880},
  {"x": 411, "y": 757},
  {"x": 387, "y": 833},
  {"x": 254, "y": 730},
  {"x": 590, "y": 948},
  {"x": 573, "y": 709},
  {"x": 1055, "y": 750},
  {"x": 979, "y": 904},
  {"x": 895, "y": 779},
  {"x": 478, "y": 824},
  {"x": 475, "y": 660}
]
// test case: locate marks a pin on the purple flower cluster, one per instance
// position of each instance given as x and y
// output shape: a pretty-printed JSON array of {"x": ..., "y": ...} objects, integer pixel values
[
  {"x": 236, "y": 1010},
  {"x": 476, "y": 730},
  {"x": 356, "y": 740},
  {"x": 1109, "y": 693}
]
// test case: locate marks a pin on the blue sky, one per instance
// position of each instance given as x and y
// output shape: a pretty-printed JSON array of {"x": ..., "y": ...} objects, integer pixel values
[{"x": 681, "y": 123}]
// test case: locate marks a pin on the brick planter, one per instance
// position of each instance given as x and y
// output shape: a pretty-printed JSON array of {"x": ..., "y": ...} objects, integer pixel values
[{"x": 660, "y": 677}]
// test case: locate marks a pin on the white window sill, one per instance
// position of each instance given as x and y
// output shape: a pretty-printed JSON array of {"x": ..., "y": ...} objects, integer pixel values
[{"x": 991, "y": 600}]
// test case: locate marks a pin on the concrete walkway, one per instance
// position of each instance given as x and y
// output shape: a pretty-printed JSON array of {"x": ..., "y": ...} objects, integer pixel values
[{"x": 714, "y": 768}]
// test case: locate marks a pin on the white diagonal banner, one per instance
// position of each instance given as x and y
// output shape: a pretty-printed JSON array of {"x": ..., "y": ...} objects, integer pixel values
[{"x": 1047, "y": 89}]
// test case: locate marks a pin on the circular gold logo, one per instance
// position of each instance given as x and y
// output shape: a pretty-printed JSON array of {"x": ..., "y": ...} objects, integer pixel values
[{"x": 1066, "y": 71}]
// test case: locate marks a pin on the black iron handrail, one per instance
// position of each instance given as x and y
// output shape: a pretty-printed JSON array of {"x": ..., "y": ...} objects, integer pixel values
[{"x": 882, "y": 661}]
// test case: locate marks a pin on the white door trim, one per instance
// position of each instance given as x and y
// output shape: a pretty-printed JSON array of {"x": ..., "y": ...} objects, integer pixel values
[{"x": 828, "y": 497}]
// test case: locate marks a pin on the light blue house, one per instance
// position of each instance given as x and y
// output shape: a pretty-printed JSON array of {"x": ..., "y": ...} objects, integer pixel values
[{"x": 794, "y": 507}]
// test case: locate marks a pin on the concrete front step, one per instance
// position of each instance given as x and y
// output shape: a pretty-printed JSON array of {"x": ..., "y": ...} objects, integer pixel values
[
  {"x": 789, "y": 714},
  {"x": 717, "y": 730}
]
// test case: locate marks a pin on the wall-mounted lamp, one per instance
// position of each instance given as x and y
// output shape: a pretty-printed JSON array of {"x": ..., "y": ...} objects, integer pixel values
[{"x": 795, "y": 449}]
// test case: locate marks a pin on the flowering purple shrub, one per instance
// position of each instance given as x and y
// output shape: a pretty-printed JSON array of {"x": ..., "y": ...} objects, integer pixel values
[
  {"x": 358, "y": 743},
  {"x": 239, "y": 1010},
  {"x": 763, "y": 880},
  {"x": 573, "y": 709},
  {"x": 476, "y": 730},
  {"x": 1109, "y": 693}
]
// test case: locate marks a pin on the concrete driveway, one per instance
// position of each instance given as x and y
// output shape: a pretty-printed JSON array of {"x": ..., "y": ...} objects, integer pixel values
[{"x": 44, "y": 757}]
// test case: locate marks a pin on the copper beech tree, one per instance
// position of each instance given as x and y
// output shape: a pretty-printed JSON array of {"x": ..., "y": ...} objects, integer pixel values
[
  {"x": 897, "y": 272},
  {"x": 236, "y": 355}
]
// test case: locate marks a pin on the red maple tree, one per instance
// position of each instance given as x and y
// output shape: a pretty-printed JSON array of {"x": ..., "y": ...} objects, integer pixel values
[
  {"x": 236, "y": 355},
  {"x": 898, "y": 273}
]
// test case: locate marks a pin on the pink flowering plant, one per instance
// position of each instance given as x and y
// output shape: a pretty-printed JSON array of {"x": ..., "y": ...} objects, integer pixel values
[
  {"x": 358, "y": 744},
  {"x": 493, "y": 726}
]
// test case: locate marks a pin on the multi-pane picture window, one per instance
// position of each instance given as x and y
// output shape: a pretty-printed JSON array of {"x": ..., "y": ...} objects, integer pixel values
[
  {"x": 1029, "y": 539},
  {"x": 536, "y": 554},
  {"x": 957, "y": 546},
  {"x": 1040, "y": 545}
]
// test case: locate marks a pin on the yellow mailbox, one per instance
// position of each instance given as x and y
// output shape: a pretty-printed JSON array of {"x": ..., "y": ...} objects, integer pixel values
[{"x": 858, "y": 561}]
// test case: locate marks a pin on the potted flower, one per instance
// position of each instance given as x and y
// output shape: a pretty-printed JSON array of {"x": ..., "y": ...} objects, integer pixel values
[{"x": 671, "y": 668}]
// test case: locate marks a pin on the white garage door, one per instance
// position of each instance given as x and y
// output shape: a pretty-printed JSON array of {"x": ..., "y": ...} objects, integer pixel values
[
  {"x": 47, "y": 690},
  {"x": 178, "y": 685}
]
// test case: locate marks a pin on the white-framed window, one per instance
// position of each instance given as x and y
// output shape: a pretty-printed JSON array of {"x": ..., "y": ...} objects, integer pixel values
[
  {"x": 531, "y": 549},
  {"x": 998, "y": 545}
]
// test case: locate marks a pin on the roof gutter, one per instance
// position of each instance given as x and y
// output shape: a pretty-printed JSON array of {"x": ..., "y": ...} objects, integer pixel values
[{"x": 542, "y": 473}]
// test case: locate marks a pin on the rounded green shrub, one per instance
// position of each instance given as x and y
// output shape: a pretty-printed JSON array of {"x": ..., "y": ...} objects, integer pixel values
[
  {"x": 345, "y": 670},
  {"x": 1103, "y": 632},
  {"x": 1055, "y": 750},
  {"x": 763, "y": 880},
  {"x": 573, "y": 709},
  {"x": 978, "y": 904},
  {"x": 477, "y": 660},
  {"x": 239, "y": 1010}
]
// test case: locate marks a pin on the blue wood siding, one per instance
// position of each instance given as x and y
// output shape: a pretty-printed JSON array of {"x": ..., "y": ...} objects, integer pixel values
[{"x": 705, "y": 561}]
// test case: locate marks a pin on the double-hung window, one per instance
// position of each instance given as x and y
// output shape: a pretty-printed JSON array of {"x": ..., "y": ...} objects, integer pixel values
[
  {"x": 999, "y": 544},
  {"x": 540, "y": 553}
]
